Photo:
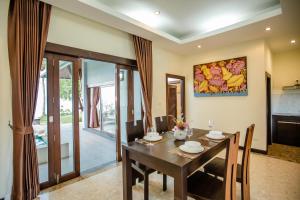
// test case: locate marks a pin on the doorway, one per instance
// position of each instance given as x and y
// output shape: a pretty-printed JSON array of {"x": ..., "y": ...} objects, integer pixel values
[
  {"x": 269, "y": 109},
  {"x": 175, "y": 96}
]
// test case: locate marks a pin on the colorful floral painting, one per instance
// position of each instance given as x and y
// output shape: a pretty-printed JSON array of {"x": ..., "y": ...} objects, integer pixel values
[{"x": 221, "y": 78}]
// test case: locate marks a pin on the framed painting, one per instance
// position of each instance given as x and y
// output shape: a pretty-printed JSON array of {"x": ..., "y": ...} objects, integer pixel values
[{"x": 221, "y": 78}]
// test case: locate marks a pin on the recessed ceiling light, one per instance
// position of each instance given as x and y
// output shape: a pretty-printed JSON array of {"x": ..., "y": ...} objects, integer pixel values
[
  {"x": 293, "y": 41},
  {"x": 157, "y": 12},
  {"x": 268, "y": 28},
  {"x": 199, "y": 46}
]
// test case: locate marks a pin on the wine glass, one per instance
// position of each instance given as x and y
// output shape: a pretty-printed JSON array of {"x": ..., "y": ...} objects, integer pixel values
[
  {"x": 189, "y": 132},
  {"x": 151, "y": 131},
  {"x": 210, "y": 124}
]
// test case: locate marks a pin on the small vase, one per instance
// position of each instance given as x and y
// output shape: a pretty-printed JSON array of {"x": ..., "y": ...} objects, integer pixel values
[{"x": 180, "y": 134}]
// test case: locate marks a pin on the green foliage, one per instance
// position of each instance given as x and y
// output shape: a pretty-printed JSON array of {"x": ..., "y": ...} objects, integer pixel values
[{"x": 66, "y": 89}]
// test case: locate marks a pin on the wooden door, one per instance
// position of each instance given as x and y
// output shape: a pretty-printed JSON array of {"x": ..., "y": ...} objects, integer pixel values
[{"x": 172, "y": 100}]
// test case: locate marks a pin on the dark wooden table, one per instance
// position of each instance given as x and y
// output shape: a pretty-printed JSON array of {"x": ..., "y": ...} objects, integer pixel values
[{"x": 160, "y": 157}]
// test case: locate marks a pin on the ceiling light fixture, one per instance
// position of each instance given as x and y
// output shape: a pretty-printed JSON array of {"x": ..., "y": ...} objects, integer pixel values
[
  {"x": 268, "y": 28},
  {"x": 293, "y": 41},
  {"x": 199, "y": 46},
  {"x": 157, "y": 12}
]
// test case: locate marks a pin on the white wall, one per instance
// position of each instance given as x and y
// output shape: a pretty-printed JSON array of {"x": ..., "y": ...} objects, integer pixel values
[
  {"x": 231, "y": 113},
  {"x": 5, "y": 106},
  {"x": 286, "y": 70},
  {"x": 71, "y": 30}
]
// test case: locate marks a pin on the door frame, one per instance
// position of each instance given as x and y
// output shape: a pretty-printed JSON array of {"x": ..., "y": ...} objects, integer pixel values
[
  {"x": 86, "y": 54},
  {"x": 53, "y": 99},
  {"x": 182, "y": 78},
  {"x": 56, "y": 114},
  {"x": 268, "y": 79},
  {"x": 130, "y": 103}
]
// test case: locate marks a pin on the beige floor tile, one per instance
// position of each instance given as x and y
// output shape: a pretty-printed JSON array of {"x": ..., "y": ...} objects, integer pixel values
[{"x": 271, "y": 179}]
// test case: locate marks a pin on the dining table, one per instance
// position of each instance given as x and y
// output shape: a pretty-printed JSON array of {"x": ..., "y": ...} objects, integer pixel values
[{"x": 166, "y": 157}]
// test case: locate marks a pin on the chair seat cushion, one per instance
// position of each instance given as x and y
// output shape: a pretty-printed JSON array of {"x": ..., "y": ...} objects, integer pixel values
[
  {"x": 204, "y": 186},
  {"x": 216, "y": 167}
]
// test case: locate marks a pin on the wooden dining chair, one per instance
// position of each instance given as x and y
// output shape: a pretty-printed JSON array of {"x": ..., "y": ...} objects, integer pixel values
[
  {"x": 140, "y": 171},
  {"x": 216, "y": 166},
  {"x": 205, "y": 186},
  {"x": 162, "y": 124}
]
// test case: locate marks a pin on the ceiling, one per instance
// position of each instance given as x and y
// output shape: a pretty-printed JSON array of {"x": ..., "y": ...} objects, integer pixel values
[
  {"x": 182, "y": 25},
  {"x": 184, "y": 20}
]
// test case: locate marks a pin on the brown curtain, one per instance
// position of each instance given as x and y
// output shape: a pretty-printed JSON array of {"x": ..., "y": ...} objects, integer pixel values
[
  {"x": 94, "y": 119},
  {"x": 28, "y": 23},
  {"x": 143, "y": 52}
]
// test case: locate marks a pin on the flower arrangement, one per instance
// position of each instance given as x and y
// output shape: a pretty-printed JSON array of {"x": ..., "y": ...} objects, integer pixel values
[{"x": 180, "y": 124}]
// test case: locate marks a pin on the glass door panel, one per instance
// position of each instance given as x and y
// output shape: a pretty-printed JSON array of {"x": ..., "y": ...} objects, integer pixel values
[
  {"x": 108, "y": 112},
  {"x": 137, "y": 92},
  {"x": 66, "y": 115},
  {"x": 123, "y": 84},
  {"x": 40, "y": 124}
]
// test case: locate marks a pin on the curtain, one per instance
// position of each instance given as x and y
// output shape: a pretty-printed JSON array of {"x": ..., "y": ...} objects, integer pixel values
[
  {"x": 28, "y": 23},
  {"x": 143, "y": 52},
  {"x": 94, "y": 119}
]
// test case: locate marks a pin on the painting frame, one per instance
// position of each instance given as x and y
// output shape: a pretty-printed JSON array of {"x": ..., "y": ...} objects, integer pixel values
[{"x": 228, "y": 77}]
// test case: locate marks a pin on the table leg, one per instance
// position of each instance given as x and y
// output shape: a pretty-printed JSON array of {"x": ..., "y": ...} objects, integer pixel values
[
  {"x": 180, "y": 186},
  {"x": 127, "y": 175}
]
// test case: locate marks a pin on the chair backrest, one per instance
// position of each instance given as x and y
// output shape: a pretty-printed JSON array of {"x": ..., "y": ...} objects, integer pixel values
[
  {"x": 162, "y": 124},
  {"x": 134, "y": 131},
  {"x": 231, "y": 167},
  {"x": 246, "y": 159}
]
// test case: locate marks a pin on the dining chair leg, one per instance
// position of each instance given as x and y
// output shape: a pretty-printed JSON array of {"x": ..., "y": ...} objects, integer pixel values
[
  {"x": 245, "y": 191},
  {"x": 164, "y": 182},
  {"x": 146, "y": 186}
]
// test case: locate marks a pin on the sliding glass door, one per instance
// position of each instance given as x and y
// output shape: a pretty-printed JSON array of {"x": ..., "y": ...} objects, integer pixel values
[
  {"x": 56, "y": 120},
  {"x": 129, "y": 101},
  {"x": 81, "y": 113}
]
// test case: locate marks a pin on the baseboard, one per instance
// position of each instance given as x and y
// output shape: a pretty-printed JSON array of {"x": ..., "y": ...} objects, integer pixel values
[{"x": 255, "y": 150}]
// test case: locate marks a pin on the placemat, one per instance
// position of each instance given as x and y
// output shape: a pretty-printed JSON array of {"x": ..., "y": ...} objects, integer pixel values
[{"x": 145, "y": 142}]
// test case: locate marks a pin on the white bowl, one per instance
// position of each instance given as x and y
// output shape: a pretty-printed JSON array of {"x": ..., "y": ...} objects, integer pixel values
[
  {"x": 192, "y": 144},
  {"x": 152, "y": 134},
  {"x": 153, "y": 138},
  {"x": 217, "y": 133},
  {"x": 191, "y": 150}
]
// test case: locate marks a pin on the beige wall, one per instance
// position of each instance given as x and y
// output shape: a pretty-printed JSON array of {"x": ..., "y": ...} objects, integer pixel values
[
  {"x": 231, "y": 113},
  {"x": 5, "y": 106},
  {"x": 286, "y": 68},
  {"x": 163, "y": 62}
]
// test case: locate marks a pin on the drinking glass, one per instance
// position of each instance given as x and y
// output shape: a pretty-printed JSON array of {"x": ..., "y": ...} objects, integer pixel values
[{"x": 210, "y": 124}]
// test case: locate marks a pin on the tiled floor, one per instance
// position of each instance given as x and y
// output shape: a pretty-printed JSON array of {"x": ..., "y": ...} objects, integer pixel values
[
  {"x": 95, "y": 151},
  {"x": 271, "y": 178},
  {"x": 285, "y": 152}
]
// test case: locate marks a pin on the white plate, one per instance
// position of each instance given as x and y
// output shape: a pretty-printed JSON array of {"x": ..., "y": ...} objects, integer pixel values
[
  {"x": 153, "y": 138},
  {"x": 191, "y": 150},
  {"x": 215, "y": 137}
]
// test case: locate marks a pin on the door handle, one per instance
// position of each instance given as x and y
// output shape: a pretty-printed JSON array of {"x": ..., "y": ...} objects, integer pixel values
[{"x": 51, "y": 119}]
